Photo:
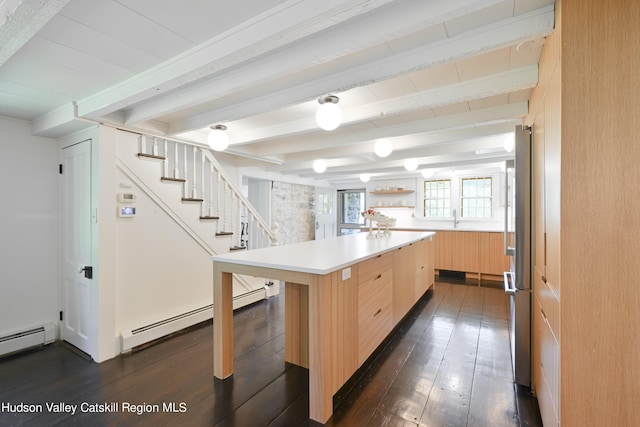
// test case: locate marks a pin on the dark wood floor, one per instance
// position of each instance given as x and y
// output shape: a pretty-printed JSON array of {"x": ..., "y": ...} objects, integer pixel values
[{"x": 448, "y": 364}]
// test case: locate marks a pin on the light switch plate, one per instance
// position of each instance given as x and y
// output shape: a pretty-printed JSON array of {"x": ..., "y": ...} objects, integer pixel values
[{"x": 346, "y": 273}]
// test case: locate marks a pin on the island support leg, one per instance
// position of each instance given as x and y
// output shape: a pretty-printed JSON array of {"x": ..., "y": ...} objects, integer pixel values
[
  {"x": 296, "y": 314},
  {"x": 222, "y": 323},
  {"x": 320, "y": 349}
]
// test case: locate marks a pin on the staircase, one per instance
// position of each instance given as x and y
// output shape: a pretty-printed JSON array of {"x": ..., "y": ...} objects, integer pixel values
[{"x": 208, "y": 205}]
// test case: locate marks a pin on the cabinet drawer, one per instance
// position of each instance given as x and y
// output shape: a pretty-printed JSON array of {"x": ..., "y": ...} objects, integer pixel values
[
  {"x": 373, "y": 267},
  {"x": 375, "y": 314}
]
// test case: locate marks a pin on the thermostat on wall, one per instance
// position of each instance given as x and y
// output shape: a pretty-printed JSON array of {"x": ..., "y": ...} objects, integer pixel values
[
  {"x": 126, "y": 211},
  {"x": 126, "y": 197}
]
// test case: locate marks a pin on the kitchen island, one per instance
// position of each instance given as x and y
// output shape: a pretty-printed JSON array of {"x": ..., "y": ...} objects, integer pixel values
[{"x": 343, "y": 296}]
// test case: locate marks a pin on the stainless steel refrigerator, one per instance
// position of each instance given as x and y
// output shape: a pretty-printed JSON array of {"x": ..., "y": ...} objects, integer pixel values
[{"x": 517, "y": 281}]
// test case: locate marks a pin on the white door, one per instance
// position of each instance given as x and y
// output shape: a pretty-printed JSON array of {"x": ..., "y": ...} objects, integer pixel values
[
  {"x": 325, "y": 213},
  {"x": 77, "y": 310}
]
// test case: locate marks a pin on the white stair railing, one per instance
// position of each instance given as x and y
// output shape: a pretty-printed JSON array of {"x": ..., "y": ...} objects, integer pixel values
[{"x": 205, "y": 181}]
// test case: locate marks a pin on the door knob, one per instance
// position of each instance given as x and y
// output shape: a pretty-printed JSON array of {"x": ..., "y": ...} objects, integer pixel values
[{"x": 88, "y": 271}]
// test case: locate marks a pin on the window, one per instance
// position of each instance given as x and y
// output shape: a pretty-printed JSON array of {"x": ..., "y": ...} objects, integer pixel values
[
  {"x": 476, "y": 197},
  {"x": 351, "y": 204},
  {"x": 437, "y": 198}
]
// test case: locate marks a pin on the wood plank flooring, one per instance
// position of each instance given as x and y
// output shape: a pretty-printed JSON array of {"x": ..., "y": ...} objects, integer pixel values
[{"x": 448, "y": 364}]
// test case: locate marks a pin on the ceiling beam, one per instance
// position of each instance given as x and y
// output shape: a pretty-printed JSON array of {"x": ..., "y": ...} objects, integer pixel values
[
  {"x": 471, "y": 147},
  {"x": 410, "y": 146},
  {"x": 20, "y": 21},
  {"x": 287, "y": 23},
  {"x": 469, "y": 119},
  {"x": 434, "y": 162},
  {"x": 495, "y": 84},
  {"x": 397, "y": 20},
  {"x": 534, "y": 24}
]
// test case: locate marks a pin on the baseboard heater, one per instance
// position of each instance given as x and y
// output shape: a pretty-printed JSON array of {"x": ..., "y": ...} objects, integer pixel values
[
  {"x": 148, "y": 333},
  {"x": 22, "y": 340}
]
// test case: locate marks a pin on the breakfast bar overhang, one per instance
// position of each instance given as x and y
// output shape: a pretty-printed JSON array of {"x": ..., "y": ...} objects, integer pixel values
[{"x": 343, "y": 296}]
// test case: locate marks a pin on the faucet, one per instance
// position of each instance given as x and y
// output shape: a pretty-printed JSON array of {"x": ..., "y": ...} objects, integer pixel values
[{"x": 455, "y": 219}]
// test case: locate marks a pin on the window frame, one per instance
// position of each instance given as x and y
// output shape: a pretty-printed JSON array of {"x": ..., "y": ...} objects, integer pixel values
[
  {"x": 464, "y": 209},
  {"x": 497, "y": 198}
]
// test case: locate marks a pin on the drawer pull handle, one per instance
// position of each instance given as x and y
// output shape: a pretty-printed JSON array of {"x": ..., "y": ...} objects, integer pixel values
[
  {"x": 379, "y": 277},
  {"x": 544, "y": 279},
  {"x": 378, "y": 312}
]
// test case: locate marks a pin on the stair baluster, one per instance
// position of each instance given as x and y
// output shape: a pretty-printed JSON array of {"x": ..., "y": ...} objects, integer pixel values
[
  {"x": 176, "y": 170},
  {"x": 165, "y": 162},
  {"x": 236, "y": 216},
  {"x": 210, "y": 189},
  {"x": 202, "y": 183},
  {"x": 185, "y": 187}
]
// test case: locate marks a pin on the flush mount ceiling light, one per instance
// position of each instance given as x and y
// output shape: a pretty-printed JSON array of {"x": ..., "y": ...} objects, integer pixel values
[
  {"x": 427, "y": 173},
  {"x": 319, "y": 166},
  {"x": 383, "y": 147},
  {"x": 218, "y": 139},
  {"x": 365, "y": 177},
  {"x": 509, "y": 142},
  {"x": 328, "y": 115},
  {"x": 411, "y": 164}
]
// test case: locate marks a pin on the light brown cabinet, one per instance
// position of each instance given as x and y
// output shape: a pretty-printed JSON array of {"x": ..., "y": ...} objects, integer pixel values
[
  {"x": 584, "y": 113},
  {"x": 477, "y": 253},
  {"x": 403, "y": 280},
  {"x": 365, "y": 308},
  {"x": 375, "y": 296},
  {"x": 387, "y": 286}
]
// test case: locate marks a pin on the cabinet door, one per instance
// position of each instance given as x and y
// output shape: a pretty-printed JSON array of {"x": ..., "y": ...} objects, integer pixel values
[
  {"x": 457, "y": 251},
  {"x": 403, "y": 281},
  {"x": 443, "y": 250},
  {"x": 424, "y": 268},
  {"x": 465, "y": 255},
  {"x": 492, "y": 256}
]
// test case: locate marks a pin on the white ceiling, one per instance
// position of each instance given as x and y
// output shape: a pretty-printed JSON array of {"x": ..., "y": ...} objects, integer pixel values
[{"x": 444, "y": 80}]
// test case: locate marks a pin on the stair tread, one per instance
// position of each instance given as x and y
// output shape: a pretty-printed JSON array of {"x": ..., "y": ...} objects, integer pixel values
[
  {"x": 165, "y": 178},
  {"x": 209, "y": 217},
  {"x": 151, "y": 156}
]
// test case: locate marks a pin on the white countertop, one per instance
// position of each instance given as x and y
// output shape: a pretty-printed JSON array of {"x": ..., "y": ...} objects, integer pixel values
[{"x": 322, "y": 256}]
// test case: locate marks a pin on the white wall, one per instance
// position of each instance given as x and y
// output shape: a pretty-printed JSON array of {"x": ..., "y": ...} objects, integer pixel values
[
  {"x": 161, "y": 272},
  {"x": 29, "y": 228},
  {"x": 415, "y": 216}
]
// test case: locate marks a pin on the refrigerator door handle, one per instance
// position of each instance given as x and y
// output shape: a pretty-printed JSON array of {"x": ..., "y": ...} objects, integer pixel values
[
  {"x": 509, "y": 283},
  {"x": 509, "y": 251}
]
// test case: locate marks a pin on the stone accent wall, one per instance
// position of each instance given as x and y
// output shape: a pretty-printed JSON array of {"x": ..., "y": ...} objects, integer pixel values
[{"x": 293, "y": 209}]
